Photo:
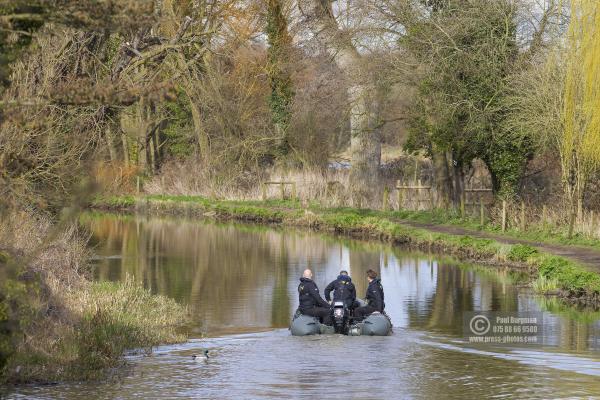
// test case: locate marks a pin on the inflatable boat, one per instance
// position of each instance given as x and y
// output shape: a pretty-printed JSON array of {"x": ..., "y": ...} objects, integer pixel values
[{"x": 376, "y": 324}]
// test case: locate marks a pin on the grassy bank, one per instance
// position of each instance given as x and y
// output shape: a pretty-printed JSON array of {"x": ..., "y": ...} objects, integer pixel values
[
  {"x": 554, "y": 274},
  {"x": 55, "y": 324},
  {"x": 544, "y": 233}
]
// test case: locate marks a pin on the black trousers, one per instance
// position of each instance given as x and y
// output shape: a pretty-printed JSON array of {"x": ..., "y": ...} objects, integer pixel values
[
  {"x": 363, "y": 311},
  {"x": 324, "y": 314}
]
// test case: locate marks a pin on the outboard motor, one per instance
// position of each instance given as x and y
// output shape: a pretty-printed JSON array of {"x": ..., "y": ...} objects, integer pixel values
[{"x": 340, "y": 316}]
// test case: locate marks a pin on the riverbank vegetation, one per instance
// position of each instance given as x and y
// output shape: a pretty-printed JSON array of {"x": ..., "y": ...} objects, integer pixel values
[
  {"x": 56, "y": 323},
  {"x": 555, "y": 274}
]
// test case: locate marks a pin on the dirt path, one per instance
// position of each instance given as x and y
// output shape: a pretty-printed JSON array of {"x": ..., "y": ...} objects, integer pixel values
[{"x": 584, "y": 255}]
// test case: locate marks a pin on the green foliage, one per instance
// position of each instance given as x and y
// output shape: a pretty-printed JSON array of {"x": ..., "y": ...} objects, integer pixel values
[
  {"x": 521, "y": 252},
  {"x": 545, "y": 285},
  {"x": 178, "y": 134},
  {"x": 569, "y": 275},
  {"x": 458, "y": 107}
]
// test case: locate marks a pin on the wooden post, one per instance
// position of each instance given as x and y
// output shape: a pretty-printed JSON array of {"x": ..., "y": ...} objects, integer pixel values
[
  {"x": 137, "y": 184},
  {"x": 294, "y": 192},
  {"x": 264, "y": 191},
  {"x": 503, "y": 215},
  {"x": 580, "y": 210},
  {"x": 592, "y": 223},
  {"x": 398, "y": 185},
  {"x": 431, "y": 203},
  {"x": 523, "y": 224},
  {"x": 481, "y": 211},
  {"x": 386, "y": 194},
  {"x": 418, "y": 201},
  {"x": 572, "y": 217},
  {"x": 282, "y": 189},
  {"x": 462, "y": 204}
]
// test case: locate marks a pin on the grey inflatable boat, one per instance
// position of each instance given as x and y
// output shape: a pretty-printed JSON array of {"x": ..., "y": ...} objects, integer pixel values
[{"x": 376, "y": 324}]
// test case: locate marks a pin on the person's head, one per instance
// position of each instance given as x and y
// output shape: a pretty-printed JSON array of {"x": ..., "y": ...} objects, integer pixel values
[
  {"x": 344, "y": 272},
  {"x": 371, "y": 275},
  {"x": 307, "y": 274}
]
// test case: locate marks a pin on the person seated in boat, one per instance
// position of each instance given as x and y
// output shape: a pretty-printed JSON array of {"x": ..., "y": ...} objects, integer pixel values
[
  {"x": 374, "y": 297},
  {"x": 343, "y": 290},
  {"x": 311, "y": 302}
]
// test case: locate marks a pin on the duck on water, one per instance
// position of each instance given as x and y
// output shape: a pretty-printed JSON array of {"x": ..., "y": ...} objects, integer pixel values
[{"x": 345, "y": 314}]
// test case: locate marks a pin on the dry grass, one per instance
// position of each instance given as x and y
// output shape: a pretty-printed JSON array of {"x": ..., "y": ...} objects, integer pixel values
[
  {"x": 329, "y": 188},
  {"x": 116, "y": 177},
  {"x": 62, "y": 325}
]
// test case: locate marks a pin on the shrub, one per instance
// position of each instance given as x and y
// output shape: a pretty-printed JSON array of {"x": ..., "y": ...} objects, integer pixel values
[{"x": 521, "y": 252}]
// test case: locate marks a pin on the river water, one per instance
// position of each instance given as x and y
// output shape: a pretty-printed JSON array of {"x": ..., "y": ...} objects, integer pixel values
[{"x": 240, "y": 282}]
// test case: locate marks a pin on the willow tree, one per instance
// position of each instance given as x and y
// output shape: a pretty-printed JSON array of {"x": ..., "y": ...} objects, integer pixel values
[{"x": 580, "y": 146}]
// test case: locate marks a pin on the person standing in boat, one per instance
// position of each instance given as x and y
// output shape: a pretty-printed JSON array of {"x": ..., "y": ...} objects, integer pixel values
[
  {"x": 343, "y": 290},
  {"x": 374, "y": 297},
  {"x": 311, "y": 302}
]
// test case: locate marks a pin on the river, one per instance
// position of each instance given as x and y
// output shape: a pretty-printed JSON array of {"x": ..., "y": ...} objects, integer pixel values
[{"x": 240, "y": 281}]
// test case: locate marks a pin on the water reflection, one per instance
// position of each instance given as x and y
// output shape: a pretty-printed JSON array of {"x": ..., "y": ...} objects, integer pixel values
[{"x": 244, "y": 278}]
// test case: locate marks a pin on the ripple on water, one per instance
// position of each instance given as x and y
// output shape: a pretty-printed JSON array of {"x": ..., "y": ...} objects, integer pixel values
[{"x": 408, "y": 364}]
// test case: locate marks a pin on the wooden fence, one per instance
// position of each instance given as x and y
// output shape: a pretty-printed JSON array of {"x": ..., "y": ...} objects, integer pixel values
[
  {"x": 474, "y": 201},
  {"x": 282, "y": 185}
]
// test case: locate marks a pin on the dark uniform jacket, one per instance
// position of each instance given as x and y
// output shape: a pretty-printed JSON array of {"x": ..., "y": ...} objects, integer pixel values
[
  {"x": 309, "y": 295},
  {"x": 343, "y": 290},
  {"x": 374, "y": 295}
]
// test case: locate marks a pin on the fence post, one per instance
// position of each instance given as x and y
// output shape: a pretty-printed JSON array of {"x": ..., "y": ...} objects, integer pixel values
[
  {"x": 481, "y": 211},
  {"x": 523, "y": 224},
  {"x": 398, "y": 185},
  {"x": 431, "y": 202},
  {"x": 137, "y": 184},
  {"x": 503, "y": 215},
  {"x": 418, "y": 196},
  {"x": 592, "y": 223},
  {"x": 462, "y": 204},
  {"x": 282, "y": 189},
  {"x": 386, "y": 194},
  {"x": 263, "y": 188}
]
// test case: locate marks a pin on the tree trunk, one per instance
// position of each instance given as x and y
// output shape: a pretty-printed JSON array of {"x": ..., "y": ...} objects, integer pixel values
[
  {"x": 110, "y": 143},
  {"x": 125, "y": 149},
  {"x": 572, "y": 217},
  {"x": 441, "y": 178},
  {"x": 142, "y": 136},
  {"x": 459, "y": 182},
  {"x": 365, "y": 147},
  {"x": 280, "y": 100},
  {"x": 365, "y": 144}
]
